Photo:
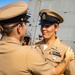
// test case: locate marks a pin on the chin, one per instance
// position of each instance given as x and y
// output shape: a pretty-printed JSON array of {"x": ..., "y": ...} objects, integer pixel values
[{"x": 46, "y": 38}]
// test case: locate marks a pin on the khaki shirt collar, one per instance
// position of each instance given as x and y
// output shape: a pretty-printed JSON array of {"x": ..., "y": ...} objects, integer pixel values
[
  {"x": 56, "y": 44},
  {"x": 41, "y": 44},
  {"x": 53, "y": 46},
  {"x": 11, "y": 40}
]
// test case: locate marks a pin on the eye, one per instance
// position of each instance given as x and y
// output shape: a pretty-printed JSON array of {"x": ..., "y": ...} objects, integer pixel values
[{"x": 46, "y": 26}]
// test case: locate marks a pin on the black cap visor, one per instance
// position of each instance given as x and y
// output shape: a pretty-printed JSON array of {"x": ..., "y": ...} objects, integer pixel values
[
  {"x": 45, "y": 22},
  {"x": 20, "y": 18}
]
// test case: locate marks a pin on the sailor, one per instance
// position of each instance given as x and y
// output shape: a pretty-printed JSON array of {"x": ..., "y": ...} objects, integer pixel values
[
  {"x": 16, "y": 59},
  {"x": 51, "y": 47},
  {"x": 26, "y": 40}
]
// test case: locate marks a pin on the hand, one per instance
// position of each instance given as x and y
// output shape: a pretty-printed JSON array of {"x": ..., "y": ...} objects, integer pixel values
[{"x": 70, "y": 54}]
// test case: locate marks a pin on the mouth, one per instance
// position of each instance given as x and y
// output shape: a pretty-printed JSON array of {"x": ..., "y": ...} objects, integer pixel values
[{"x": 44, "y": 32}]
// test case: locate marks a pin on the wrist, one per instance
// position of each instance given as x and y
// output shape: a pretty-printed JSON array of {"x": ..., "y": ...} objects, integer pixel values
[
  {"x": 63, "y": 61},
  {"x": 67, "y": 59}
]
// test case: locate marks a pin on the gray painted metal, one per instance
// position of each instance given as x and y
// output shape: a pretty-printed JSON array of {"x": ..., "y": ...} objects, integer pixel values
[{"x": 65, "y": 7}]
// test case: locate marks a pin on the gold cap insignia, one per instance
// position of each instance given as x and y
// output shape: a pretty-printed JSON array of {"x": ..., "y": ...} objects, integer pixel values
[
  {"x": 43, "y": 16},
  {"x": 22, "y": 19}
]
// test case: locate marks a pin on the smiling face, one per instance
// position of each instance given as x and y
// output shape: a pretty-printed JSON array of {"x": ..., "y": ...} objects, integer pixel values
[{"x": 49, "y": 31}]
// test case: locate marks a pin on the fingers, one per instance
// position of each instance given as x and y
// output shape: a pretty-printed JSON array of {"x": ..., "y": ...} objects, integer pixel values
[
  {"x": 70, "y": 53},
  {"x": 69, "y": 49}
]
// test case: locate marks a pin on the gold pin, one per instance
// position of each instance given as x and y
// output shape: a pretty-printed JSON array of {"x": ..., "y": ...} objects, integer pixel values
[
  {"x": 22, "y": 19},
  {"x": 43, "y": 16}
]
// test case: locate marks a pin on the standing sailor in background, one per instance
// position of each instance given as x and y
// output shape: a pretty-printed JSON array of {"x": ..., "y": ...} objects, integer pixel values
[
  {"x": 51, "y": 47},
  {"x": 26, "y": 40}
]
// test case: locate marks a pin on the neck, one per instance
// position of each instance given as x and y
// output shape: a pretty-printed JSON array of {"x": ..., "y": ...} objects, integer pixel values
[{"x": 49, "y": 41}]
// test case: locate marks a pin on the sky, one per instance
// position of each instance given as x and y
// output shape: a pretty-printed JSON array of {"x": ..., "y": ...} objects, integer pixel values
[{"x": 4, "y": 2}]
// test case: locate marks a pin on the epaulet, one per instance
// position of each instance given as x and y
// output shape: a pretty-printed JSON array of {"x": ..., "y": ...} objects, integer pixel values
[{"x": 64, "y": 46}]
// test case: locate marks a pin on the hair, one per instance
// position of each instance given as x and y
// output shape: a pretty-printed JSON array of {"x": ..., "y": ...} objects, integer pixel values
[
  {"x": 26, "y": 39},
  {"x": 55, "y": 25},
  {"x": 6, "y": 29}
]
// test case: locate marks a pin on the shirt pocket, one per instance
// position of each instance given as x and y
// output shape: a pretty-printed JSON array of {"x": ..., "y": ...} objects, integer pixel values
[{"x": 54, "y": 58}]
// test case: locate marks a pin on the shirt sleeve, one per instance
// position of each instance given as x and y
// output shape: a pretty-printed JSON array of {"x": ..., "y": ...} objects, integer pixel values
[{"x": 37, "y": 65}]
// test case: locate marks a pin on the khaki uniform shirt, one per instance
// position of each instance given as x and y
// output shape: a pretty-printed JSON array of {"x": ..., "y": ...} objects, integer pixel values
[
  {"x": 16, "y": 59},
  {"x": 55, "y": 53}
]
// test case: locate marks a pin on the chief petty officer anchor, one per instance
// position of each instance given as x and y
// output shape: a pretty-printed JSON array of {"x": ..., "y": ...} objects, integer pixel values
[{"x": 16, "y": 59}]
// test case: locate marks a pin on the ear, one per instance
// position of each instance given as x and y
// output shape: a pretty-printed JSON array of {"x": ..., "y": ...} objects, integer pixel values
[
  {"x": 18, "y": 28},
  {"x": 57, "y": 28}
]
